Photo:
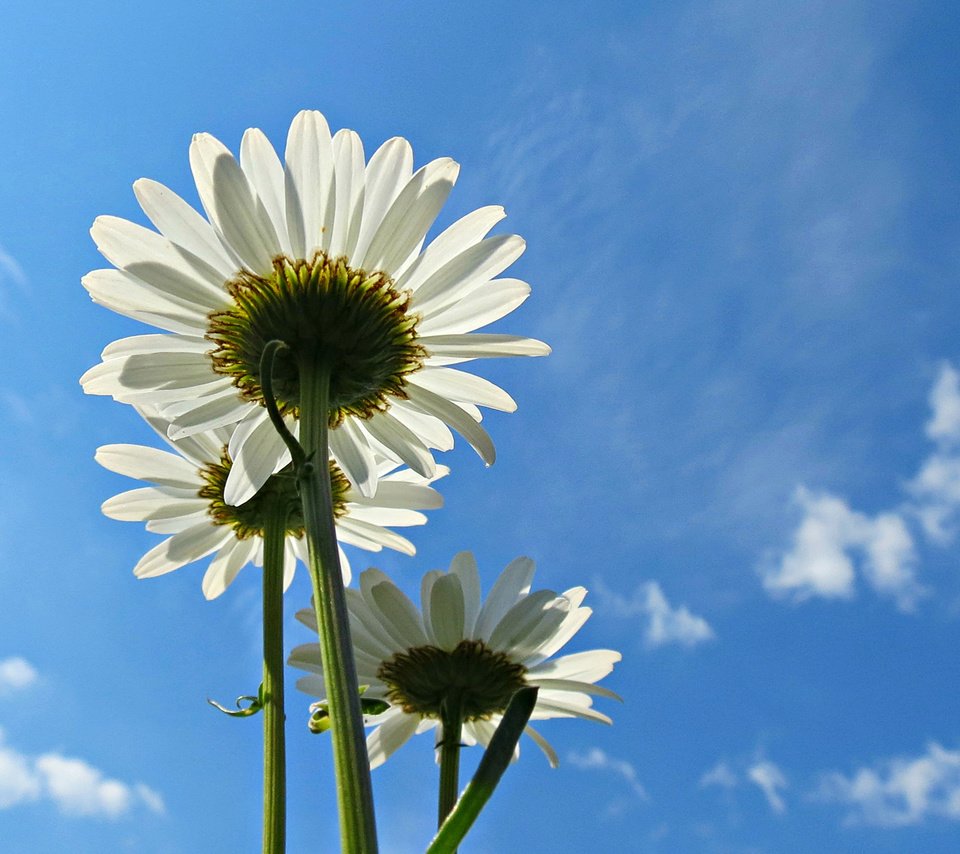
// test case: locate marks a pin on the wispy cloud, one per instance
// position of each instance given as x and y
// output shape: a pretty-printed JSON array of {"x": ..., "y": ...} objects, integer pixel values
[
  {"x": 898, "y": 792},
  {"x": 73, "y": 785},
  {"x": 759, "y": 771},
  {"x": 936, "y": 487},
  {"x": 596, "y": 759},
  {"x": 720, "y": 775},
  {"x": 664, "y": 624},
  {"x": 770, "y": 779},
  {"x": 11, "y": 271},
  {"x": 820, "y": 560},
  {"x": 16, "y": 674}
]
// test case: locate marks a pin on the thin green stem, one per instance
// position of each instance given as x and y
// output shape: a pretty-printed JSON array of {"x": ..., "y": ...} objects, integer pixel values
[
  {"x": 449, "y": 758},
  {"x": 494, "y": 762},
  {"x": 274, "y": 750},
  {"x": 358, "y": 832}
]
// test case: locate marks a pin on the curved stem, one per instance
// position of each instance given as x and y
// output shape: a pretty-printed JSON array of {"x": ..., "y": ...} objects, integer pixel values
[
  {"x": 449, "y": 758},
  {"x": 274, "y": 756},
  {"x": 358, "y": 833}
]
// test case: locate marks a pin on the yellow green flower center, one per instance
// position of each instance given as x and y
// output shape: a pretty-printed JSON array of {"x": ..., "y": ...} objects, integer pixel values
[
  {"x": 353, "y": 322},
  {"x": 478, "y": 680},
  {"x": 248, "y": 519}
]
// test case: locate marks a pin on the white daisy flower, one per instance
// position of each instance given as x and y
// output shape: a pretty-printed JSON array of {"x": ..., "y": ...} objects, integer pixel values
[
  {"x": 323, "y": 252},
  {"x": 186, "y": 501},
  {"x": 484, "y": 652}
]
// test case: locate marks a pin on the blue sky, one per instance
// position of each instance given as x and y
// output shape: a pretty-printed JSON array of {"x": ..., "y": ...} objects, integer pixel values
[{"x": 742, "y": 233}]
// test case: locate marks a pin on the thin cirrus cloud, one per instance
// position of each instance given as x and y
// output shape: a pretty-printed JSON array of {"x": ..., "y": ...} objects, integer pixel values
[
  {"x": 834, "y": 544},
  {"x": 936, "y": 488},
  {"x": 663, "y": 623},
  {"x": 73, "y": 785},
  {"x": 762, "y": 773},
  {"x": 898, "y": 792},
  {"x": 16, "y": 673},
  {"x": 596, "y": 759}
]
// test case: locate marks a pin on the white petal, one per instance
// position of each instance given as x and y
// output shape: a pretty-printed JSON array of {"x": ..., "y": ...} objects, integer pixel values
[
  {"x": 224, "y": 567},
  {"x": 143, "y": 463},
  {"x": 391, "y": 735},
  {"x": 590, "y": 666},
  {"x": 141, "y": 505},
  {"x": 182, "y": 225},
  {"x": 257, "y": 452},
  {"x": 132, "y": 297},
  {"x": 386, "y": 516},
  {"x": 447, "y": 611},
  {"x": 483, "y": 345},
  {"x": 373, "y": 578},
  {"x": 453, "y": 415},
  {"x": 477, "y": 309},
  {"x": 231, "y": 205},
  {"x": 371, "y": 537},
  {"x": 264, "y": 171},
  {"x": 402, "y": 441},
  {"x": 469, "y": 269},
  {"x": 524, "y": 618},
  {"x": 555, "y": 708},
  {"x": 544, "y": 745},
  {"x": 388, "y": 170},
  {"x": 464, "y": 233},
  {"x": 432, "y": 431},
  {"x": 349, "y": 447},
  {"x": 399, "y": 611},
  {"x": 463, "y": 388},
  {"x": 409, "y": 495},
  {"x": 360, "y": 610},
  {"x": 206, "y": 413},
  {"x": 464, "y": 566},
  {"x": 510, "y": 587},
  {"x": 426, "y": 586},
  {"x": 130, "y": 246},
  {"x": 348, "y": 192},
  {"x": 183, "y": 548},
  {"x": 411, "y": 215},
  {"x": 308, "y": 179},
  {"x": 574, "y": 686}
]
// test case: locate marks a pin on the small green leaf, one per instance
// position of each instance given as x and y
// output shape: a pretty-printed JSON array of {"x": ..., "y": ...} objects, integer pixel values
[{"x": 254, "y": 705}]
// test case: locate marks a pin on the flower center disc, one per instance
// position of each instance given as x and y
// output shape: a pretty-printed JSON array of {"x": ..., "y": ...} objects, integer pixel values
[
  {"x": 248, "y": 519},
  {"x": 421, "y": 678},
  {"x": 353, "y": 322}
]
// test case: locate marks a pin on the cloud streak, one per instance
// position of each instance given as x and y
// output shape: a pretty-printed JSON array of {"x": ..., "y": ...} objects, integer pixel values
[
  {"x": 74, "y": 786},
  {"x": 596, "y": 759},
  {"x": 664, "y": 624},
  {"x": 898, "y": 792},
  {"x": 16, "y": 674}
]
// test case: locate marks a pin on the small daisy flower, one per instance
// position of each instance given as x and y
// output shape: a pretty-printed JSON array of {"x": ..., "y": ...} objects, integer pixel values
[
  {"x": 325, "y": 253},
  {"x": 186, "y": 501},
  {"x": 415, "y": 660}
]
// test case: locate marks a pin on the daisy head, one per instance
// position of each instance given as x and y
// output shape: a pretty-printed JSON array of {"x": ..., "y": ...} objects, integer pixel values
[
  {"x": 185, "y": 501},
  {"x": 459, "y": 650},
  {"x": 323, "y": 251}
]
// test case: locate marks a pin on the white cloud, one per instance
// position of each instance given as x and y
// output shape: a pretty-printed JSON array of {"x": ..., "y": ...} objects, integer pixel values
[
  {"x": 936, "y": 487},
  {"x": 720, "y": 775},
  {"x": 900, "y": 791},
  {"x": 820, "y": 561},
  {"x": 15, "y": 674},
  {"x": 18, "y": 783},
  {"x": 10, "y": 270},
  {"x": 77, "y": 788},
  {"x": 596, "y": 759},
  {"x": 769, "y": 778},
  {"x": 664, "y": 624},
  {"x": 944, "y": 426}
]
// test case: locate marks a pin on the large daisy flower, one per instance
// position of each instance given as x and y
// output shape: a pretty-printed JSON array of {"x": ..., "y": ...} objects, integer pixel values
[
  {"x": 186, "y": 501},
  {"x": 484, "y": 652},
  {"x": 323, "y": 252}
]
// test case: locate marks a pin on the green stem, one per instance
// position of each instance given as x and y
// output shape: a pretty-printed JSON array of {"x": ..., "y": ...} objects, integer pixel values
[
  {"x": 449, "y": 758},
  {"x": 358, "y": 832},
  {"x": 494, "y": 762},
  {"x": 274, "y": 758}
]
